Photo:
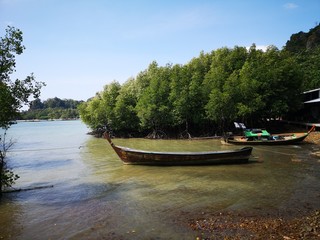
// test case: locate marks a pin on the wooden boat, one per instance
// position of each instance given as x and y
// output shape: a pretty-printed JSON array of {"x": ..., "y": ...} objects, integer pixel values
[
  {"x": 264, "y": 139},
  {"x": 139, "y": 157}
]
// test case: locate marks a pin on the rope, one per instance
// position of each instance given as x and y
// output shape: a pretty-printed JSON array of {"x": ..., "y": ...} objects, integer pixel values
[{"x": 288, "y": 154}]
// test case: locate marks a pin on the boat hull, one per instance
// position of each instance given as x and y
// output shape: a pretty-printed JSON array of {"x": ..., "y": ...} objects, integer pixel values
[
  {"x": 268, "y": 142},
  {"x": 294, "y": 138},
  {"x": 136, "y": 157}
]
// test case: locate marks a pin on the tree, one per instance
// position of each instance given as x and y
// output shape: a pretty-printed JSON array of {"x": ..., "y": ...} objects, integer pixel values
[
  {"x": 153, "y": 107},
  {"x": 221, "y": 85},
  {"x": 125, "y": 114},
  {"x": 187, "y": 95},
  {"x": 251, "y": 91},
  {"x": 99, "y": 112},
  {"x": 93, "y": 114},
  {"x": 109, "y": 100},
  {"x": 218, "y": 72},
  {"x": 198, "y": 67},
  {"x": 179, "y": 94},
  {"x": 221, "y": 107},
  {"x": 36, "y": 104},
  {"x": 13, "y": 93},
  {"x": 284, "y": 83},
  {"x": 309, "y": 62},
  {"x": 7, "y": 177}
]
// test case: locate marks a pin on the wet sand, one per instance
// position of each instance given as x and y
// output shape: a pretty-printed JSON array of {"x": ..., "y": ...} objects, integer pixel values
[{"x": 231, "y": 225}]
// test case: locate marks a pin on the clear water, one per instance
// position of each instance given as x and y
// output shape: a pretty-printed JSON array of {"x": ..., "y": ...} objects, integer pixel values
[{"x": 90, "y": 194}]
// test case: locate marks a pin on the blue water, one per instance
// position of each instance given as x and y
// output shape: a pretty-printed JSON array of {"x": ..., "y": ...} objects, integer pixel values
[
  {"x": 46, "y": 152},
  {"x": 89, "y": 194}
]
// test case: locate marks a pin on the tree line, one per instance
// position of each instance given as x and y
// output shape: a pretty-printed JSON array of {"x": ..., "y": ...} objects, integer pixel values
[
  {"x": 52, "y": 108},
  {"x": 207, "y": 94}
]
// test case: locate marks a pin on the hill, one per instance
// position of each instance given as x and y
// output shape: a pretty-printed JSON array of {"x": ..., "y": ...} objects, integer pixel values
[{"x": 302, "y": 41}]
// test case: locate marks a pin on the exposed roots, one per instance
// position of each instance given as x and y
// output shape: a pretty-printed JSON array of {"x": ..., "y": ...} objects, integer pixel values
[
  {"x": 157, "y": 134},
  {"x": 185, "y": 135}
]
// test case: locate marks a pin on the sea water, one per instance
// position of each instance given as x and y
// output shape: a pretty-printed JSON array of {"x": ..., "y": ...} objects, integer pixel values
[{"x": 77, "y": 187}]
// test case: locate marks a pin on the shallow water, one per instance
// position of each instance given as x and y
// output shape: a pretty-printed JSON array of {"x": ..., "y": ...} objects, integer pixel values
[{"x": 95, "y": 196}]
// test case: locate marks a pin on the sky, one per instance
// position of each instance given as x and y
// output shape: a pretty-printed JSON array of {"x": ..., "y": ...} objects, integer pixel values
[{"x": 78, "y": 46}]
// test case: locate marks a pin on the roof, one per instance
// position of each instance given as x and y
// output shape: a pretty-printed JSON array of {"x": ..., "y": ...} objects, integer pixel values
[
  {"x": 313, "y": 90},
  {"x": 313, "y": 101}
]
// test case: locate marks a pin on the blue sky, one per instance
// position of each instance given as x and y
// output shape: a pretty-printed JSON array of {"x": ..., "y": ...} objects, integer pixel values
[{"x": 78, "y": 46}]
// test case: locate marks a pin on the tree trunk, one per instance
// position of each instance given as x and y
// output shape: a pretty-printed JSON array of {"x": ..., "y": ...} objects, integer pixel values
[{"x": 1, "y": 172}]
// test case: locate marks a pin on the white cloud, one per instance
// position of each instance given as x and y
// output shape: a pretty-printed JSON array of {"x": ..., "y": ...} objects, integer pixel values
[
  {"x": 260, "y": 47},
  {"x": 290, "y": 6}
]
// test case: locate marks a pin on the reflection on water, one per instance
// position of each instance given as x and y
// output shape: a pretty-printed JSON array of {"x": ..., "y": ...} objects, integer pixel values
[{"x": 95, "y": 196}]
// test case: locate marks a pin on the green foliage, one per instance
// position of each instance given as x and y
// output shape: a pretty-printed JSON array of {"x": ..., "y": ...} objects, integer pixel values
[
  {"x": 108, "y": 104},
  {"x": 179, "y": 94},
  {"x": 52, "y": 108},
  {"x": 153, "y": 107},
  {"x": 124, "y": 110},
  {"x": 7, "y": 176},
  {"x": 10, "y": 46},
  {"x": 222, "y": 85},
  {"x": 309, "y": 63},
  {"x": 13, "y": 93},
  {"x": 213, "y": 89},
  {"x": 8, "y": 106},
  {"x": 99, "y": 112},
  {"x": 251, "y": 90},
  {"x": 93, "y": 113}
]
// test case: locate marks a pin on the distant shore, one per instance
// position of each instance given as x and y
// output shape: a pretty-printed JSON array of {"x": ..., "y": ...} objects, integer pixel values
[{"x": 48, "y": 120}]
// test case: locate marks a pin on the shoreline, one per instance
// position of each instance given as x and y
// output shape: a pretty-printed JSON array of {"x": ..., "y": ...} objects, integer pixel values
[
  {"x": 47, "y": 120},
  {"x": 314, "y": 138}
]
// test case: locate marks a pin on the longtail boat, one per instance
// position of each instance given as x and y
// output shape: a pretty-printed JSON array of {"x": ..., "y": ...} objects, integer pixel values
[
  {"x": 262, "y": 137},
  {"x": 140, "y": 157}
]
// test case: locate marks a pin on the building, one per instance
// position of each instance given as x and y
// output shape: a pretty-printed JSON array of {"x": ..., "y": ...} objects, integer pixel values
[{"x": 311, "y": 106}]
